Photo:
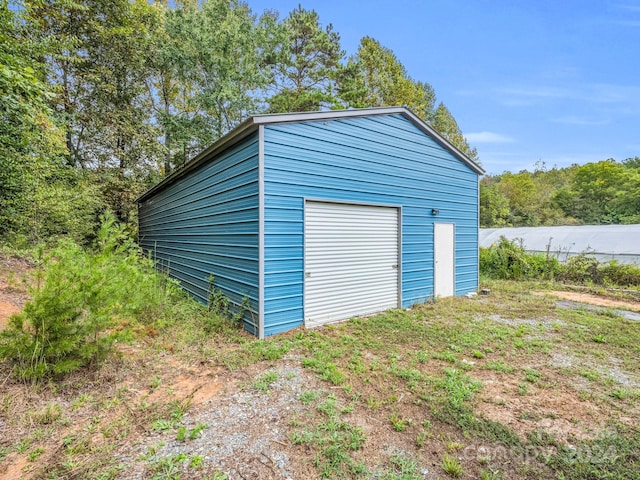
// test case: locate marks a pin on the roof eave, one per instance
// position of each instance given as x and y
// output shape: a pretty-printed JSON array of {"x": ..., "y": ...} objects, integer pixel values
[
  {"x": 241, "y": 131},
  {"x": 252, "y": 123}
]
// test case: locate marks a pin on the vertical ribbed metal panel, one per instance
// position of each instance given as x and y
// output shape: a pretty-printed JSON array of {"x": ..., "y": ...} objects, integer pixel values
[
  {"x": 351, "y": 261},
  {"x": 207, "y": 224}
]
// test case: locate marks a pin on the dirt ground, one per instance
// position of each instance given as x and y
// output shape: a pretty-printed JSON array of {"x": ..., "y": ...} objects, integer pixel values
[
  {"x": 251, "y": 440},
  {"x": 592, "y": 299},
  {"x": 15, "y": 273}
]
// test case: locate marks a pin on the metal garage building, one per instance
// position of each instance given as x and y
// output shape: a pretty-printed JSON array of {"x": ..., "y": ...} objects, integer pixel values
[{"x": 319, "y": 217}]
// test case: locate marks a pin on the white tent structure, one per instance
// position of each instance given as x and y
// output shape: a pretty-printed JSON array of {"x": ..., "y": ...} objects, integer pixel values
[{"x": 604, "y": 242}]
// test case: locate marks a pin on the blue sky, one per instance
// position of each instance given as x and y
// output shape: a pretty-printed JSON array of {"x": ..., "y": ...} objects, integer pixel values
[{"x": 527, "y": 80}]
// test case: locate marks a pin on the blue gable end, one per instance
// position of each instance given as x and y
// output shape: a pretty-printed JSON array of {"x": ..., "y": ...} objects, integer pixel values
[{"x": 383, "y": 159}]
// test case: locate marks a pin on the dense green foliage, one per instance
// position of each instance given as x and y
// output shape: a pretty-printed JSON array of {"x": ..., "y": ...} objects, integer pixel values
[
  {"x": 604, "y": 192},
  {"x": 508, "y": 260},
  {"x": 40, "y": 196},
  {"x": 102, "y": 98},
  {"x": 81, "y": 301}
]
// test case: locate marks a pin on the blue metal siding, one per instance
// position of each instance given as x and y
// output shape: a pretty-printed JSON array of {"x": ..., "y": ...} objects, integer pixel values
[
  {"x": 207, "y": 224},
  {"x": 381, "y": 160}
]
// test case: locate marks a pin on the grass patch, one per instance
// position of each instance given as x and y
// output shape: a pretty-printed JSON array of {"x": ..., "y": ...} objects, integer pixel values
[
  {"x": 49, "y": 414},
  {"x": 613, "y": 455},
  {"x": 334, "y": 441},
  {"x": 451, "y": 466},
  {"x": 309, "y": 396},
  {"x": 399, "y": 424},
  {"x": 402, "y": 467},
  {"x": 498, "y": 366},
  {"x": 263, "y": 382}
]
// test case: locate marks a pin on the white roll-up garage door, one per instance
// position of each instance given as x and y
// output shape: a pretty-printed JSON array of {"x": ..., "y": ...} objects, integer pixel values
[{"x": 351, "y": 261}]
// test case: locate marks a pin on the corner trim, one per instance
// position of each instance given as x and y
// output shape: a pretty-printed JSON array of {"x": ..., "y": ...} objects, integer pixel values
[
  {"x": 400, "y": 239},
  {"x": 261, "y": 232}
]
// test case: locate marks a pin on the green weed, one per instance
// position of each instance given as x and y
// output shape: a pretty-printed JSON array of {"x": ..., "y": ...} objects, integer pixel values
[
  {"x": 49, "y": 414},
  {"x": 334, "y": 440},
  {"x": 35, "y": 454},
  {"x": 403, "y": 467},
  {"x": 422, "y": 437},
  {"x": 23, "y": 445},
  {"x": 451, "y": 466},
  {"x": 498, "y": 366},
  {"x": 454, "y": 446},
  {"x": 457, "y": 387},
  {"x": 195, "y": 431},
  {"x": 218, "y": 476},
  {"x": 532, "y": 375},
  {"x": 399, "y": 424},
  {"x": 589, "y": 374},
  {"x": 181, "y": 435},
  {"x": 263, "y": 382},
  {"x": 614, "y": 454},
  {"x": 309, "y": 396},
  {"x": 156, "y": 381},
  {"x": 169, "y": 467},
  {"x": 490, "y": 475},
  {"x": 327, "y": 370},
  {"x": 626, "y": 393}
]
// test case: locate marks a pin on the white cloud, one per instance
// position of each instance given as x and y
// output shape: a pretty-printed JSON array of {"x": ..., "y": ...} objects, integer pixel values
[
  {"x": 537, "y": 92},
  {"x": 488, "y": 137},
  {"x": 601, "y": 93},
  {"x": 574, "y": 120},
  {"x": 628, "y": 23},
  {"x": 629, "y": 7}
]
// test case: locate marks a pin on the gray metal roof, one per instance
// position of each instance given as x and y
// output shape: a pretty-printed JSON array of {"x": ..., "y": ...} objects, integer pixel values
[
  {"x": 251, "y": 124},
  {"x": 596, "y": 239}
]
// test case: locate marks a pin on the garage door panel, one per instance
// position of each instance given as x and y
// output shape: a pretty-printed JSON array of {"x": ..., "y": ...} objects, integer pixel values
[
  {"x": 351, "y": 260},
  {"x": 348, "y": 263},
  {"x": 339, "y": 284}
]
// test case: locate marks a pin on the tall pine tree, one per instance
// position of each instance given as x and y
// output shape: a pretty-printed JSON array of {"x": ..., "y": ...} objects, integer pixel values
[{"x": 306, "y": 65}]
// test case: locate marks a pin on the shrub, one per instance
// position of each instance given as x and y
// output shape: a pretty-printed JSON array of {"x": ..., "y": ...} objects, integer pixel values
[
  {"x": 582, "y": 268},
  {"x": 508, "y": 260},
  {"x": 615, "y": 273},
  {"x": 78, "y": 301}
]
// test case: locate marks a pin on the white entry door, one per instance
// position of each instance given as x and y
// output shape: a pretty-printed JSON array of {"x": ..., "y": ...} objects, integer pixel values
[
  {"x": 444, "y": 259},
  {"x": 351, "y": 261}
]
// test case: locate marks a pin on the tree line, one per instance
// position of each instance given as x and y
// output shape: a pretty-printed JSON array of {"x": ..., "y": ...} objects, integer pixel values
[
  {"x": 604, "y": 192},
  {"x": 103, "y": 98}
]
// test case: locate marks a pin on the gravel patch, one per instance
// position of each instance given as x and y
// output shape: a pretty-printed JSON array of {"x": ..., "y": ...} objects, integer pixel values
[
  {"x": 612, "y": 369},
  {"x": 516, "y": 322},
  {"x": 626, "y": 314},
  {"x": 245, "y": 435}
]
